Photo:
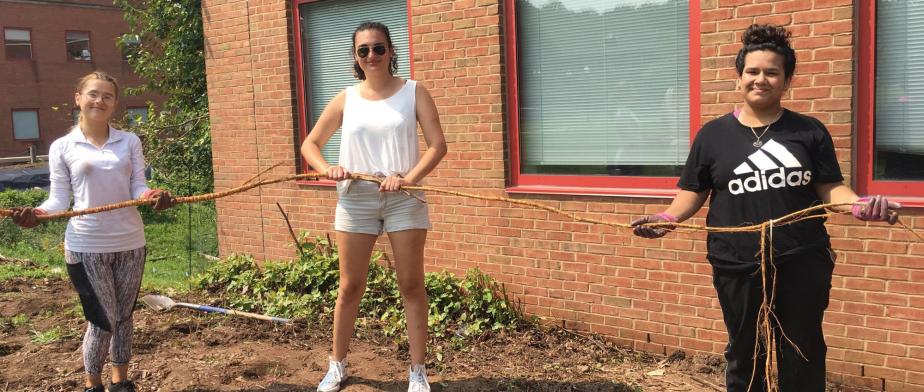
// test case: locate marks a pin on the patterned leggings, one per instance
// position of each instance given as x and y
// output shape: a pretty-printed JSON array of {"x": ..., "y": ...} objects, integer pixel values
[{"x": 108, "y": 285}]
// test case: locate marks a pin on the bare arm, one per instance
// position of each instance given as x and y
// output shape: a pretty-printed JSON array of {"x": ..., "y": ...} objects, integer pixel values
[
  {"x": 429, "y": 120},
  {"x": 330, "y": 120},
  {"x": 836, "y": 192},
  {"x": 686, "y": 204}
]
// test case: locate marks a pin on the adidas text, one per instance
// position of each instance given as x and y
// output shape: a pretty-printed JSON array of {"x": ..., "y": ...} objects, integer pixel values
[{"x": 760, "y": 181}]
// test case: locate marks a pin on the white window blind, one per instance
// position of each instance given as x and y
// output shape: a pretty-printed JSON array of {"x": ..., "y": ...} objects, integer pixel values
[
  {"x": 603, "y": 82},
  {"x": 327, "y": 31},
  {"x": 17, "y": 35},
  {"x": 25, "y": 125},
  {"x": 899, "y": 127}
]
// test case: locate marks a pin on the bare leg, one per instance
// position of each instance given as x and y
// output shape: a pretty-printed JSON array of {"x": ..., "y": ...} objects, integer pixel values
[
  {"x": 408, "y": 247},
  {"x": 93, "y": 380},
  {"x": 355, "y": 251},
  {"x": 119, "y": 373}
]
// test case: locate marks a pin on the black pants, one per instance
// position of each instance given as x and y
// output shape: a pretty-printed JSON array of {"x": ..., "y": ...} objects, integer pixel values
[{"x": 803, "y": 285}]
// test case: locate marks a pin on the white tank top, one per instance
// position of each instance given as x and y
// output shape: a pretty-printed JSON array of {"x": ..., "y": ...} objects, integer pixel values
[{"x": 380, "y": 137}]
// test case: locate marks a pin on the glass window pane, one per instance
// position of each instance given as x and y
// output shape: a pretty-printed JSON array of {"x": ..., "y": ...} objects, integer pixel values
[
  {"x": 899, "y": 127},
  {"x": 586, "y": 105},
  {"x": 137, "y": 116},
  {"x": 327, "y": 32},
  {"x": 78, "y": 45},
  {"x": 18, "y": 43},
  {"x": 25, "y": 125},
  {"x": 17, "y": 35}
]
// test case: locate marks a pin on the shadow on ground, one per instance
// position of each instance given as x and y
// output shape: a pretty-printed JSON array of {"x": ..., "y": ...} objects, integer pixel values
[{"x": 472, "y": 384}]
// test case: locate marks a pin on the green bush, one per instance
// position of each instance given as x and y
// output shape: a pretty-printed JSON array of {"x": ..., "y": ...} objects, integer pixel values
[
  {"x": 10, "y": 234},
  {"x": 307, "y": 288}
]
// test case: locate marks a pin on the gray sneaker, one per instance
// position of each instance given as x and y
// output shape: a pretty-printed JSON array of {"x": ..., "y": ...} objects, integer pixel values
[
  {"x": 335, "y": 376},
  {"x": 417, "y": 381}
]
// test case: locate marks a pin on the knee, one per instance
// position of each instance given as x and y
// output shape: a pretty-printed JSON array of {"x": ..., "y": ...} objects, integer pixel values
[
  {"x": 412, "y": 289},
  {"x": 351, "y": 291}
]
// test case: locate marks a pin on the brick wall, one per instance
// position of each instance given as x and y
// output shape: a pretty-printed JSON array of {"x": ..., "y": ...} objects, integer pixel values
[
  {"x": 653, "y": 295},
  {"x": 47, "y": 81}
]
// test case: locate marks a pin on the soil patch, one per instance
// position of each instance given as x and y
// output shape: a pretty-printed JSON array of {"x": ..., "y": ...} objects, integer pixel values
[{"x": 183, "y": 350}]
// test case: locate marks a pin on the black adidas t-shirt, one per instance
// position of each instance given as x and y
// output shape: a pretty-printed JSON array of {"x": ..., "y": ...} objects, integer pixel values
[{"x": 750, "y": 185}]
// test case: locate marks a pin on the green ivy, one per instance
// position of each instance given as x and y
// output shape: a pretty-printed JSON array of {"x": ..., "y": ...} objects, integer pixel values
[{"x": 459, "y": 309}]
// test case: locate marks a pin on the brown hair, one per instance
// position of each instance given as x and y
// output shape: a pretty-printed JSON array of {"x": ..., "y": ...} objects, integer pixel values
[{"x": 358, "y": 72}]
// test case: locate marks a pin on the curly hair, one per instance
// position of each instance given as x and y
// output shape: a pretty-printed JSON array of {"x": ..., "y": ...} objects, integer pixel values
[
  {"x": 767, "y": 37},
  {"x": 358, "y": 72}
]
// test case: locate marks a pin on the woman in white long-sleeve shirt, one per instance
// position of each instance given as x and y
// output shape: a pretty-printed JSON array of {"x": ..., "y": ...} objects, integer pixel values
[{"x": 105, "y": 252}]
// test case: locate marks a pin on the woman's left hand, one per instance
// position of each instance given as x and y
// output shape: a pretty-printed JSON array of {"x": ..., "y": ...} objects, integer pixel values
[
  {"x": 393, "y": 183},
  {"x": 876, "y": 208},
  {"x": 164, "y": 199}
]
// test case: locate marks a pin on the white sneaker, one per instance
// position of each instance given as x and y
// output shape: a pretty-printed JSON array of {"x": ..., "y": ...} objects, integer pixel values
[
  {"x": 418, "y": 379},
  {"x": 335, "y": 376}
]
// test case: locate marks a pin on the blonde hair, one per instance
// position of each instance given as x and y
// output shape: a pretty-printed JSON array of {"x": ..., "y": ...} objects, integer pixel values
[{"x": 96, "y": 75}]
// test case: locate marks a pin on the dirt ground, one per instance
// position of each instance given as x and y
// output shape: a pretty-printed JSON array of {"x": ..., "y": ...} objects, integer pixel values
[{"x": 183, "y": 350}]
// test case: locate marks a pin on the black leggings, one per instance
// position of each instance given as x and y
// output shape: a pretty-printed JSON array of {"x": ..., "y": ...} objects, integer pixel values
[{"x": 803, "y": 285}]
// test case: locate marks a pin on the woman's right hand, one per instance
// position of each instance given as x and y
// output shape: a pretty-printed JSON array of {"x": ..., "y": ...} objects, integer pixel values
[
  {"x": 337, "y": 173},
  {"x": 26, "y": 217}
]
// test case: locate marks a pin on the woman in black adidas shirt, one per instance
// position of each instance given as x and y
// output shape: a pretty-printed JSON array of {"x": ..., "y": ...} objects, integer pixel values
[{"x": 760, "y": 163}]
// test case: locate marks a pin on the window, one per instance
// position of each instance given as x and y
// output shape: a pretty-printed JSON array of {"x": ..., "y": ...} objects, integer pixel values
[
  {"x": 18, "y": 43},
  {"x": 25, "y": 124},
  {"x": 600, "y": 94},
  {"x": 891, "y": 111},
  {"x": 78, "y": 45},
  {"x": 136, "y": 116},
  {"x": 75, "y": 115},
  {"x": 325, "y": 30},
  {"x": 129, "y": 45}
]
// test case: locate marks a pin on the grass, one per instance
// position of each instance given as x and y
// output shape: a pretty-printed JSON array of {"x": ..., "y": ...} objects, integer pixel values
[
  {"x": 45, "y": 337},
  {"x": 15, "y": 321},
  {"x": 175, "y": 239}
]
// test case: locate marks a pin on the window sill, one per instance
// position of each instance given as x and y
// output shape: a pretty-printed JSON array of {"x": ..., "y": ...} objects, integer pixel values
[
  {"x": 908, "y": 201},
  {"x": 592, "y": 191}
]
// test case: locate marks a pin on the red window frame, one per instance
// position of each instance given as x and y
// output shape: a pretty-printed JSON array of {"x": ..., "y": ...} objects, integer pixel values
[
  {"x": 38, "y": 122},
  {"x": 909, "y": 193},
  {"x": 89, "y": 45},
  {"x": 304, "y": 105},
  {"x": 589, "y": 185},
  {"x": 31, "y": 45}
]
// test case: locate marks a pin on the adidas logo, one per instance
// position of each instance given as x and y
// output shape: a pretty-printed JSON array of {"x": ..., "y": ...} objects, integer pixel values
[{"x": 758, "y": 180}]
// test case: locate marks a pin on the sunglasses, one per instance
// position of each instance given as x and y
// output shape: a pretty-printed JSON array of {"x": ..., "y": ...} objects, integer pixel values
[{"x": 363, "y": 50}]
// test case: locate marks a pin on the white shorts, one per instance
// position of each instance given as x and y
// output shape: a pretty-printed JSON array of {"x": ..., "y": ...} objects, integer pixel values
[{"x": 361, "y": 208}]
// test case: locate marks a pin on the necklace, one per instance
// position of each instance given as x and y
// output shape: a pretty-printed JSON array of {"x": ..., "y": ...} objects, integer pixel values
[{"x": 757, "y": 143}]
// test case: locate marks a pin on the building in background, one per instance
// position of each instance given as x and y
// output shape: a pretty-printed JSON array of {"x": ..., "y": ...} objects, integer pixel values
[
  {"x": 590, "y": 106},
  {"x": 46, "y": 46}
]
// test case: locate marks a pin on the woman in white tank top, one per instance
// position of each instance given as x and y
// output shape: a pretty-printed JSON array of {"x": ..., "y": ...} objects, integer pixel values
[{"x": 379, "y": 117}]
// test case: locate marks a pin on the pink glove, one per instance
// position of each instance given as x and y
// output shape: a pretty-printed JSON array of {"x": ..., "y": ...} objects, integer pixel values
[
  {"x": 876, "y": 208},
  {"x": 653, "y": 232}
]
